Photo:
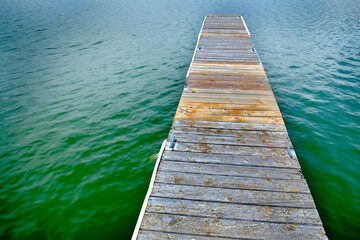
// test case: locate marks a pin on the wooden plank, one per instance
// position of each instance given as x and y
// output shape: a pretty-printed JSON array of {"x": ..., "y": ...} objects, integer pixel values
[
  {"x": 237, "y": 78},
  {"x": 234, "y": 53},
  {"x": 267, "y": 173},
  {"x": 264, "y": 198},
  {"x": 228, "y": 96},
  {"x": 241, "y": 33},
  {"x": 229, "y": 106},
  {"x": 234, "y": 211},
  {"x": 244, "y": 134},
  {"x": 230, "y": 86},
  {"x": 227, "y": 69},
  {"x": 232, "y": 159},
  {"x": 232, "y": 140},
  {"x": 227, "y": 85},
  {"x": 226, "y": 91},
  {"x": 230, "y": 228},
  {"x": 230, "y": 125},
  {"x": 149, "y": 234},
  {"x": 222, "y": 45},
  {"x": 228, "y": 100},
  {"x": 225, "y": 43},
  {"x": 226, "y": 31},
  {"x": 270, "y": 120},
  {"x": 231, "y": 182},
  {"x": 229, "y": 149},
  {"x": 227, "y": 60},
  {"x": 228, "y": 112},
  {"x": 234, "y": 100}
]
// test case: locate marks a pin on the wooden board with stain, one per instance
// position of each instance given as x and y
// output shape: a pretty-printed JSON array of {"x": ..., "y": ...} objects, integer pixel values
[{"x": 232, "y": 172}]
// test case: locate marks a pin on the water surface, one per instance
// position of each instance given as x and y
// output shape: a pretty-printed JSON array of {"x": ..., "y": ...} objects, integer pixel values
[{"x": 88, "y": 90}]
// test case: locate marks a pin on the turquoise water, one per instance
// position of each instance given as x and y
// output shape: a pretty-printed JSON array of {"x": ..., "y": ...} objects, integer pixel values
[{"x": 88, "y": 90}]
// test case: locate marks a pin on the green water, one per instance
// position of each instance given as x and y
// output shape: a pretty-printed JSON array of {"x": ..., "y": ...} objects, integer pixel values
[{"x": 88, "y": 90}]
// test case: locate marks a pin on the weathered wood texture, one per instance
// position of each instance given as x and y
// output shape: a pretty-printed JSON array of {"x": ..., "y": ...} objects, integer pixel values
[{"x": 229, "y": 175}]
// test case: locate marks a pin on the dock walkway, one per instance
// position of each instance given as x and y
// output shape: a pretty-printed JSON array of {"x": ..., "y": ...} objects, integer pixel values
[{"x": 231, "y": 172}]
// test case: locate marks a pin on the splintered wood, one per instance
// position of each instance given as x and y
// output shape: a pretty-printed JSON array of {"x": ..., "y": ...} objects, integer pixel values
[{"x": 231, "y": 172}]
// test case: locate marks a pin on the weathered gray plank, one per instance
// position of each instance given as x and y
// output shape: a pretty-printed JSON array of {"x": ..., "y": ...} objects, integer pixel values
[
  {"x": 234, "y": 211},
  {"x": 228, "y": 96},
  {"x": 230, "y": 228},
  {"x": 226, "y": 91},
  {"x": 231, "y": 140},
  {"x": 219, "y": 99},
  {"x": 267, "y": 173},
  {"x": 236, "y": 78},
  {"x": 281, "y": 199},
  {"x": 220, "y": 181},
  {"x": 225, "y": 31},
  {"x": 208, "y": 46},
  {"x": 235, "y": 69},
  {"x": 230, "y": 133},
  {"x": 232, "y": 159},
  {"x": 221, "y": 43},
  {"x": 231, "y": 125},
  {"x": 228, "y": 112},
  {"x": 227, "y": 55},
  {"x": 156, "y": 235},
  {"x": 229, "y": 149}
]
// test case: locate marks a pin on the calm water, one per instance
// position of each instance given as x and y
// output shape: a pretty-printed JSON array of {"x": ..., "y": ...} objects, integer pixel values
[{"x": 88, "y": 90}]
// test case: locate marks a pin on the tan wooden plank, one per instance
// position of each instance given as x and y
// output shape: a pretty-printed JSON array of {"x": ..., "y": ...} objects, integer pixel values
[
  {"x": 232, "y": 159},
  {"x": 233, "y": 182},
  {"x": 217, "y": 44},
  {"x": 264, "y": 198},
  {"x": 230, "y": 228},
  {"x": 228, "y": 106},
  {"x": 267, "y": 173},
  {"x": 227, "y": 71},
  {"x": 183, "y": 111},
  {"x": 234, "y": 211},
  {"x": 210, "y": 84},
  {"x": 238, "y": 78},
  {"x": 230, "y": 86},
  {"x": 217, "y": 82},
  {"x": 227, "y": 67},
  {"x": 270, "y": 120}
]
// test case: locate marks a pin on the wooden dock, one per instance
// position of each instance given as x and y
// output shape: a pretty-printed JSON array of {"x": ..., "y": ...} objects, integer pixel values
[{"x": 231, "y": 172}]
